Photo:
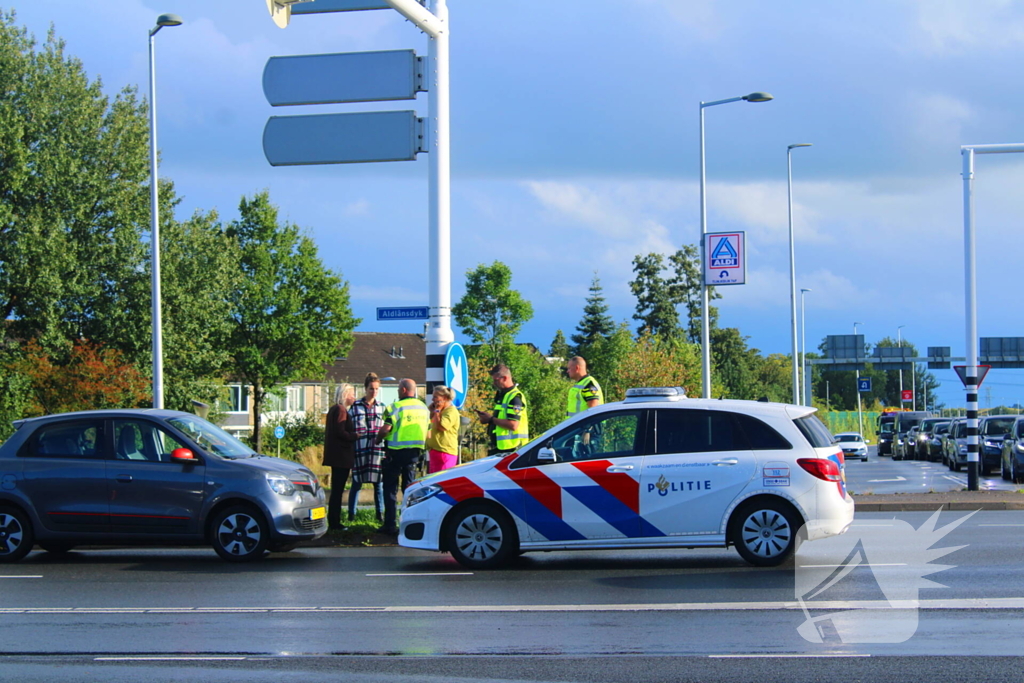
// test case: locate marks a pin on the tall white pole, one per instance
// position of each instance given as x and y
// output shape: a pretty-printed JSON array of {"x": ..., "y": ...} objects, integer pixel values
[
  {"x": 805, "y": 383},
  {"x": 792, "y": 269},
  {"x": 899, "y": 344},
  {"x": 705, "y": 328},
  {"x": 792, "y": 275},
  {"x": 157, "y": 331},
  {"x": 439, "y": 328},
  {"x": 860, "y": 414}
]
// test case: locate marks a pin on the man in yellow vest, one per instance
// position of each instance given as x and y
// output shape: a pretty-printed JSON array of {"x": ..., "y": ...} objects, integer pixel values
[
  {"x": 406, "y": 422},
  {"x": 586, "y": 392},
  {"x": 508, "y": 424}
]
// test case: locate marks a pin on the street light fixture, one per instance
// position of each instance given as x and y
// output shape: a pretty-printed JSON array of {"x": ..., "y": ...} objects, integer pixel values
[
  {"x": 792, "y": 268},
  {"x": 158, "y": 348},
  {"x": 705, "y": 327},
  {"x": 803, "y": 343}
]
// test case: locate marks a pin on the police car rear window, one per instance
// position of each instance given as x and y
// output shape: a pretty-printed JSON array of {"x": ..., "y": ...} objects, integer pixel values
[
  {"x": 814, "y": 431},
  {"x": 760, "y": 436}
]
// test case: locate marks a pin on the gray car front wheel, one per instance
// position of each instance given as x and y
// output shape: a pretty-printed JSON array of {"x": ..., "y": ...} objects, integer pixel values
[
  {"x": 240, "y": 534},
  {"x": 16, "y": 535}
]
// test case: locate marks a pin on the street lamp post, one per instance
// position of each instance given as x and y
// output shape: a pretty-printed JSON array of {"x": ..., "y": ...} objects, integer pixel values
[
  {"x": 899, "y": 344},
  {"x": 792, "y": 268},
  {"x": 860, "y": 414},
  {"x": 803, "y": 343},
  {"x": 158, "y": 349},
  {"x": 705, "y": 327}
]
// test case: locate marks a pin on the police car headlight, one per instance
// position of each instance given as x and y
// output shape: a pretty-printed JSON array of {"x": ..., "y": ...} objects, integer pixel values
[{"x": 421, "y": 494}]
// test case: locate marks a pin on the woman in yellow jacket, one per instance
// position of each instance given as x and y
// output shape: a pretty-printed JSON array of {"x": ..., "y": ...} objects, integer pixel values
[{"x": 443, "y": 439}]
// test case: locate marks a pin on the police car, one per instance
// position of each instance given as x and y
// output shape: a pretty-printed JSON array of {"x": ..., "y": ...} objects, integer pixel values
[{"x": 657, "y": 470}]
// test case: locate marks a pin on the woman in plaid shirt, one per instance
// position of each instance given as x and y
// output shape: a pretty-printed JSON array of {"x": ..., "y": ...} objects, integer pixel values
[{"x": 367, "y": 415}]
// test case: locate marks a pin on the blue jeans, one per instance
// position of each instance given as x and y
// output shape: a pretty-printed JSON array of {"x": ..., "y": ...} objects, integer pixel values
[{"x": 353, "y": 497}]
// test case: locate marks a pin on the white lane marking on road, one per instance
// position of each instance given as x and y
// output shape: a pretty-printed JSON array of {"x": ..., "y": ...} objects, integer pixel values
[
  {"x": 425, "y": 574},
  {"x": 880, "y": 481},
  {"x": 784, "y": 656},
  {"x": 877, "y": 564},
  {"x": 149, "y": 658},
  {"x": 959, "y": 480},
  {"x": 23, "y": 576},
  {"x": 952, "y": 604}
]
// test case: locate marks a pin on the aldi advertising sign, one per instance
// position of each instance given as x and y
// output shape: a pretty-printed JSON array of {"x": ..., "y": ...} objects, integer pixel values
[{"x": 725, "y": 258}]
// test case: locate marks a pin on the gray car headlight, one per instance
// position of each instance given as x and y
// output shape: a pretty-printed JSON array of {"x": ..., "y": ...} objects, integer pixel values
[
  {"x": 421, "y": 494},
  {"x": 280, "y": 484},
  {"x": 963, "y": 449}
]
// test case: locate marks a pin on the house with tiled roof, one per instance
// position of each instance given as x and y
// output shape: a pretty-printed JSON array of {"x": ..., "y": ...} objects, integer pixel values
[{"x": 392, "y": 355}]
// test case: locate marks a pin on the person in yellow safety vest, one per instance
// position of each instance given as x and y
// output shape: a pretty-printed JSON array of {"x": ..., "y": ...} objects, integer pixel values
[
  {"x": 586, "y": 392},
  {"x": 406, "y": 422},
  {"x": 509, "y": 426}
]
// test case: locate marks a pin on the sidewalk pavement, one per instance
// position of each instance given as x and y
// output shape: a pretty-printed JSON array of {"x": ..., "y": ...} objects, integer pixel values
[{"x": 951, "y": 500}]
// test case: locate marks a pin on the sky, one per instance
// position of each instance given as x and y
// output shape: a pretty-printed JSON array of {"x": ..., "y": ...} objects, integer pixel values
[{"x": 575, "y": 147}]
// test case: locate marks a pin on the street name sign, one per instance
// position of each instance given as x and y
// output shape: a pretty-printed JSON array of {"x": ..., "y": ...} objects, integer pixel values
[
  {"x": 343, "y": 138},
  {"x": 725, "y": 260},
  {"x": 404, "y": 313},
  {"x": 343, "y": 77},
  {"x": 456, "y": 372}
]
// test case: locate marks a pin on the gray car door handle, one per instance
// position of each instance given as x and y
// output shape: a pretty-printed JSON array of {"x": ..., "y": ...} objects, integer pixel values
[
  {"x": 619, "y": 468},
  {"x": 726, "y": 461},
  {"x": 124, "y": 478}
]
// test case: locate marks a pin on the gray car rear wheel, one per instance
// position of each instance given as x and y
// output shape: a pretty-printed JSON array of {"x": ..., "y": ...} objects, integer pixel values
[{"x": 16, "y": 534}]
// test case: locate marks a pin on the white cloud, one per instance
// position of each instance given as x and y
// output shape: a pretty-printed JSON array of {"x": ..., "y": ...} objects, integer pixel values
[
  {"x": 388, "y": 294},
  {"x": 360, "y": 207},
  {"x": 954, "y": 25}
]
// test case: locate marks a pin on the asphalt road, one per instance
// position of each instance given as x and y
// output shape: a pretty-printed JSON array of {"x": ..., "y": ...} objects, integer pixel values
[
  {"x": 398, "y": 614},
  {"x": 883, "y": 476}
]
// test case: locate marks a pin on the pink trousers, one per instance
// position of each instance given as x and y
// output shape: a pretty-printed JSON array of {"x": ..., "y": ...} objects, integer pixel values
[{"x": 442, "y": 461}]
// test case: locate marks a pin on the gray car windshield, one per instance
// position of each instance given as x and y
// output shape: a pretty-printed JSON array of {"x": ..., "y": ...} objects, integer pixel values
[{"x": 212, "y": 438}]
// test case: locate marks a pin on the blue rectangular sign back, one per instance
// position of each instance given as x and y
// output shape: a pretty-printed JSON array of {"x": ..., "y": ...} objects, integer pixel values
[
  {"x": 342, "y": 138},
  {"x": 324, "y": 6},
  {"x": 342, "y": 77},
  {"x": 404, "y": 313}
]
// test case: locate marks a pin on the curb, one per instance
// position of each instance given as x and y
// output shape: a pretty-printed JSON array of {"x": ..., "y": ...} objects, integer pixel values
[{"x": 932, "y": 507}]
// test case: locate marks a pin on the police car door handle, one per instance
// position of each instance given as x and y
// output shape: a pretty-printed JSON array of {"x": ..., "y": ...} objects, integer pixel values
[
  {"x": 726, "y": 461},
  {"x": 619, "y": 468}
]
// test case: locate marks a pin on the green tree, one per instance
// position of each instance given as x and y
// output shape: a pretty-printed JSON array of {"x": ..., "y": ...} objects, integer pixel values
[
  {"x": 491, "y": 312},
  {"x": 559, "y": 347},
  {"x": 596, "y": 323},
  {"x": 685, "y": 284},
  {"x": 606, "y": 358},
  {"x": 74, "y": 182},
  {"x": 655, "y": 300},
  {"x": 290, "y": 314}
]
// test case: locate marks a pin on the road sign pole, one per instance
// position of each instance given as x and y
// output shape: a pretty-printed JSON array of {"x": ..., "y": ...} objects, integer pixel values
[
  {"x": 439, "y": 329},
  {"x": 971, "y": 381}
]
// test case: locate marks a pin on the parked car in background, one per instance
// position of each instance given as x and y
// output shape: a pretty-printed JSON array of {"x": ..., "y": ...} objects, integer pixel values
[
  {"x": 853, "y": 445},
  {"x": 885, "y": 434},
  {"x": 903, "y": 447},
  {"x": 1012, "y": 462},
  {"x": 954, "y": 444},
  {"x": 154, "y": 477},
  {"x": 929, "y": 440},
  {"x": 906, "y": 444},
  {"x": 991, "y": 431}
]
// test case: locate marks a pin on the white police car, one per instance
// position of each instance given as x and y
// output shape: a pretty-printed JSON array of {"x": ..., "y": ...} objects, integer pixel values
[{"x": 657, "y": 470}]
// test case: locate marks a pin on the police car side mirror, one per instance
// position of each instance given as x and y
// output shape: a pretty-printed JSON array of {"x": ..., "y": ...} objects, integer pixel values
[{"x": 547, "y": 455}]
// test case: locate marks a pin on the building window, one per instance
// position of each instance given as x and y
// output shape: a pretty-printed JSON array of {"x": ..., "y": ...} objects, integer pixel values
[
  {"x": 296, "y": 399},
  {"x": 237, "y": 399}
]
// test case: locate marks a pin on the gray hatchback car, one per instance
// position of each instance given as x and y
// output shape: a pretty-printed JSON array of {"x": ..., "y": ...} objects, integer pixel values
[{"x": 128, "y": 477}]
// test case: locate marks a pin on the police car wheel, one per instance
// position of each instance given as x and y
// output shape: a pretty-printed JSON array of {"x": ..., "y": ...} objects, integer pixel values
[
  {"x": 16, "y": 535},
  {"x": 482, "y": 536},
  {"x": 765, "y": 532}
]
